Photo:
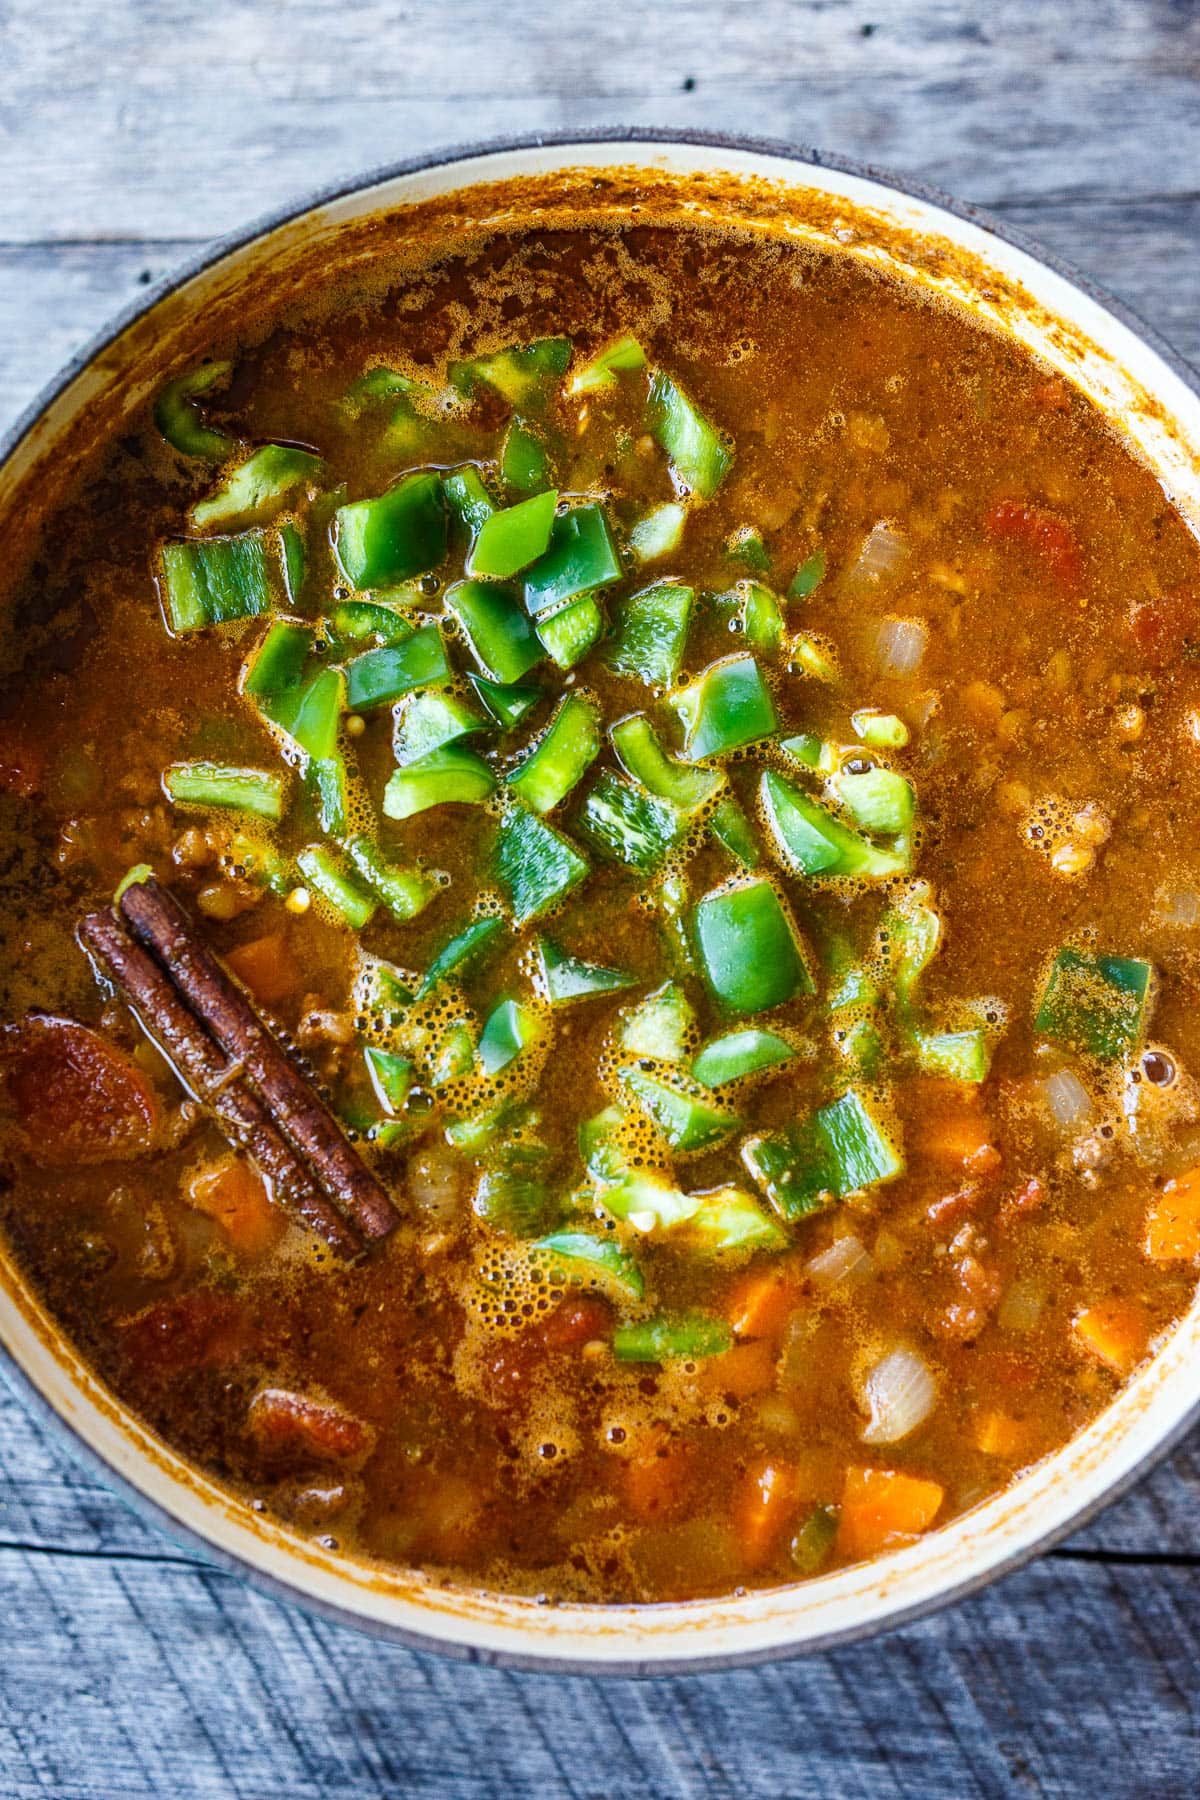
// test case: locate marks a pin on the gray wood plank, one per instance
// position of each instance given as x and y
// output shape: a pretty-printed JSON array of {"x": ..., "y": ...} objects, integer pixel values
[
  {"x": 148, "y": 1680},
  {"x": 201, "y": 114}
]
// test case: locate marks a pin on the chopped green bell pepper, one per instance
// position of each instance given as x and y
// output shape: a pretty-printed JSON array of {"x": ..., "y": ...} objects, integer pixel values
[
  {"x": 204, "y": 784},
  {"x": 498, "y": 634},
  {"x": 697, "y": 456},
  {"x": 953, "y": 1055},
  {"x": 809, "y": 841},
  {"x": 451, "y": 776},
  {"x": 1096, "y": 1003},
  {"x": 650, "y": 634},
  {"x": 878, "y": 800},
  {"x": 391, "y": 1077},
  {"x": 601, "y": 372},
  {"x": 513, "y": 538},
  {"x": 264, "y": 479},
  {"x": 728, "y": 1219},
  {"x": 209, "y": 581},
  {"x": 394, "y": 536},
  {"x": 750, "y": 947},
  {"x": 680, "y": 1108},
  {"x": 739, "y": 1054},
  {"x": 522, "y": 375},
  {"x": 508, "y": 1029},
  {"x": 745, "y": 546},
  {"x": 464, "y": 952},
  {"x": 760, "y": 616},
  {"x": 179, "y": 419},
  {"x": 570, "y": 744},
  {"x": 326, "y": 875},
  {"x": 729, "y": 705},
  {"x": 840, "y": 1150},
  {"x": 664, "y": 1340},
  {"x": 579, "y": 557},
  {"x": 429, "y": 721},
  {"x": 565, "y": 979},
  {"x": 404, "y": 891},
  {"x": 467, "y": 497},
  {"x": 808, "y": 576},
  {"x": 658, "y": 532},
  {"x": 276, "y": 665},
  {"x": 630, "y": 826},
  {"x": 379, "y": 676},
  {"x": 641, "y": 755},
  {"x": 535, "y": 865},
  {"x": 732, "y": 829},
  {"x": 661, "y": 1026},
  {"x": 581, "y": 1256},
  {"x": 567, "y": 636},
  {"x": 508, "y": 705},
  {"x": 881, "y": 730},
  {"x": 524, "y": 459}
]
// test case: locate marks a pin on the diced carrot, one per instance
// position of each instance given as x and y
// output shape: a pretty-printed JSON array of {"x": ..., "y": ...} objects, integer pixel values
[
  {"x": 999, "y": 1434},
  {"x": 760, "y": 1304},
  {"x": 78, "y": 1097},
  {"x": 763, "y": 1509},
  {"x": 1115, "y": 1331},
  {"x": 1041, "y": 530},
  {"x": 882, "y": 1508},
  {"x": 1173, "y": 1221},
  {"x": 267, "y": 967},
  {"x": 745, "y": 1370},
  {"x": 233, "y": 1193},
  {"x": 284, "y": 1421},
  {"x": 964, "y": 1138},
  {"x": 657, "y": 1479}
]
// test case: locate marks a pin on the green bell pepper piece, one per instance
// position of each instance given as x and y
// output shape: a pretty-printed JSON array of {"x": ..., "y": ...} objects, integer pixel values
[
  {"x": 641, "y": 755},
  {"x": 681, "y": 1109},
  {"x": 524, "y": 459},
  {"x": 809, "y": 1549},
  {"x": 404, "y": 891},
  {"x": 429, "y": 721},
  {"x": 728, "y": 1219},
  {"x": 520, "y": 375},
  {"x": 178, "y": 417},
  {"x": 311, "y": 712},
  {"x": 565, "y": 979},
  {"x": 750, "y": 947},
  {"x": 326, "y": 874},
  {"x": 760, "y": 616},
  {"x": 745, "y": 546},
  {"x": 697, "y": 456},
  {"x": 733, "y": 830},
  {"x": 451, "y": 776},
  {"x": 463, "y": 953},
  {"x": 508, "y": 1029},
  {"x": 209, "y": 581},
  {"x": 661, "y": 1026},
  {"x": 508, "y": 705},
  {"x": 276, "y": 665},
  {"x": 535, "y": 865},
  {"x": 601, "y": 372},
  {"x": 739, "y": 1054},
  {"x": 878, "y": 800},
  {"x": 391, "y": 1077},
  {"x": 379, "y": 676},
  {"x": 650, "y": 634},
  {"x": 498, "y": 634},
  {"x": 953, "y": 1055},
  {"x": 658, "y": 532},
  {"x": 394, "y": 536},
  {"x": 514, "y": 1196},
  {"x": 264, "y": 479},
  {"x": 467, "y": 497},
  {"x": 1096, "y": 1003},
  {"x": 729, "y": 705},
  {"x": 570, "y": 744},
  {"x": 581, "y": 1256},
  {"x": 809, "y": 841},
  {"x": 881, "y": 730},
  {"x": 808, "y": 576},
  {"x": 663, "y": 1340},
  {"x": 579, "y": 557},
  {"x": 630, "y": 826},
  {"x": 513, "y": 538},
  {"x": 363, "y": 620},
  {"x": 840, "y": 1150},
  {"x": 567, "y": 636},
  {"x": 203, "y": 784}
]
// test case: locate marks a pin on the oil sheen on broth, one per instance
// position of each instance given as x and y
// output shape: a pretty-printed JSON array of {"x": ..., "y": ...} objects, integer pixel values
[{"x": 868, "y": 969}]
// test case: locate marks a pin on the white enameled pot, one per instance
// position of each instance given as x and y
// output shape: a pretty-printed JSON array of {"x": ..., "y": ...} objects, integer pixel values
[{"x": 1149, "y": 394}]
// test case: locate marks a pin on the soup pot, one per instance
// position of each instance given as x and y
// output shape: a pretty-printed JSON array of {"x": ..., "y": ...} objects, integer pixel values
[{"x": 944, "y": 249}]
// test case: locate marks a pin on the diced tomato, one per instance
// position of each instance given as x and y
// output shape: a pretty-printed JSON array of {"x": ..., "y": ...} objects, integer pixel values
[
  {"x": 765, "y": 1506},
  {"x": 284, "y": 1421},
  {"x": 78, "y": 1098},
  {"x": 882, "y": 1508},
  {"x": 1166, "y": 628},
  {"x": 577, "y": 1320},
  {"x": 195, "y": 1330},
  {"x": 233, "y": 1193},
  {"x": 1041, "y": 530}
]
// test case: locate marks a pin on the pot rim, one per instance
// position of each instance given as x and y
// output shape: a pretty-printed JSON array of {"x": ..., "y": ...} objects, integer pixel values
[{"x": 22, "y": 1383}]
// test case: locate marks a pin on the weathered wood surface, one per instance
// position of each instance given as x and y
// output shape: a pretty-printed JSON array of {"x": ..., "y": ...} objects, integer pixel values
[{"x": 129, "y": 133}]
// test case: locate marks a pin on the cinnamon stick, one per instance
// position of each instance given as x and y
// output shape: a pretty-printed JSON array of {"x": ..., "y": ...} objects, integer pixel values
[
  {"x": 204, "y": 1070},
  {"x": 161, "y": 924}
]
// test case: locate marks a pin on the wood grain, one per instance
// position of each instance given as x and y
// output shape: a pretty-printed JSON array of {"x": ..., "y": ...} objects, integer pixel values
[{"x": 130, "y": 133}]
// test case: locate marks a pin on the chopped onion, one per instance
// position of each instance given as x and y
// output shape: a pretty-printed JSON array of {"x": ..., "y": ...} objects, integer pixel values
[
  {"x": 882, "y": 549},
  {"x": 899, "y": 1393},
  {"x": 900, "y": 645},
  {"x": 1067, "y": 1099},
  {"x": 844, "y": 1257},
  {"x": 1178, "y": 906},
  {"x": 1021, "y": 1307}
]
